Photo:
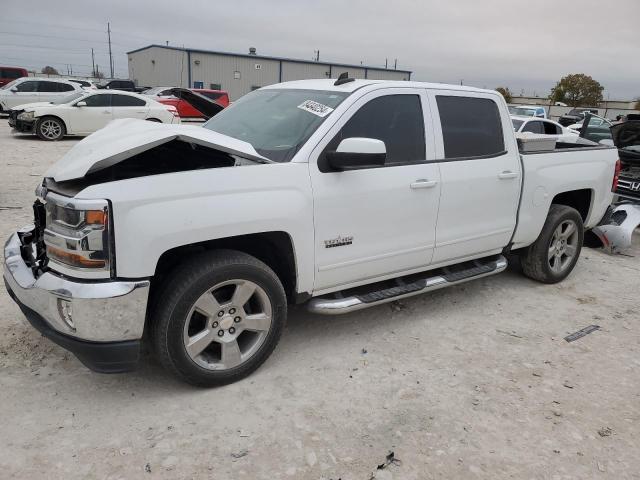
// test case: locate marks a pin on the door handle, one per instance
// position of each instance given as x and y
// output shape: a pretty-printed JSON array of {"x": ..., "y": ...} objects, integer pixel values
[
  {"x": 507, "y": 174},
  {"x": 423, "y": 183}
]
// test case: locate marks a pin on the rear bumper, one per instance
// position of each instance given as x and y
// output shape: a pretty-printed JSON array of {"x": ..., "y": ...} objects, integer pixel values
[{"x": 100, "y": 322}]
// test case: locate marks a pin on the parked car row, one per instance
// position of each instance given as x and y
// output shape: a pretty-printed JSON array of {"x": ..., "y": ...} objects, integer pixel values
[{"x": 82, "y": 113}]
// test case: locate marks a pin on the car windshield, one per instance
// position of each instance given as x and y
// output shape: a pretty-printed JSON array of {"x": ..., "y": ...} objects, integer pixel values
[
  {"x": 525, "y": 112},
  {"x": 276, "y": 122},
  {"x": 68, "y": 98},
  {"x": 10, "y": 84},
  {"x": 516, "y": 124}
]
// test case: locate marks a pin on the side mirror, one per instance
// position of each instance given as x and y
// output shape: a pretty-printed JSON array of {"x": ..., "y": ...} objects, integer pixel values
[
  {"x": 357, "y": 152},
  {"x": 81, "y": 104},
  {"x": 14, "y": 89}
]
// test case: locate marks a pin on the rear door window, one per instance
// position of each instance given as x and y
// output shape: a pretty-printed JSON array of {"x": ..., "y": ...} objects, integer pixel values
[
  {"x": 534, "y": 127},
  {"x": 11, "y": 73},
  {"x": 471, "y": 126},
  {"x": 47, "y": 87},
  {"x": 126, "y": 101}
]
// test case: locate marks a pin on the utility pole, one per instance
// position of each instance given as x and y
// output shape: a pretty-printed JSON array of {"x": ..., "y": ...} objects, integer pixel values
[
  {"x": 395, "y": 64},
  {"x": 385, "y": 63},
  {"x": 110, "y": 56},
  {"x": 93, "y": 64}
]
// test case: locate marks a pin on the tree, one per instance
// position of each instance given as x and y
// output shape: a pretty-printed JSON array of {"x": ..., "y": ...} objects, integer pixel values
[
  {"x": 577, "y": 90},
  {"x": 48, "y": 70},
  {"x": 506, "y": 93}
]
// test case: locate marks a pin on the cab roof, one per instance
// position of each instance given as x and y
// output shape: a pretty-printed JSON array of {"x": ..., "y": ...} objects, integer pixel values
[{"x": 328, "y": 85}]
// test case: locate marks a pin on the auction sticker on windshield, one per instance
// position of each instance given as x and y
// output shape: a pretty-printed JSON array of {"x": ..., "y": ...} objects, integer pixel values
[{"x": 316, "y": 108}]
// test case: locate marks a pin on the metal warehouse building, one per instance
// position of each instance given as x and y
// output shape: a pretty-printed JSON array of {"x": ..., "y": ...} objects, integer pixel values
[{"x": 237, "y": 73}]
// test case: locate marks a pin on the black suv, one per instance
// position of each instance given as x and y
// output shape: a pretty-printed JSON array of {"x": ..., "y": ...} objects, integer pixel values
[{"x": 125, "y": 85}]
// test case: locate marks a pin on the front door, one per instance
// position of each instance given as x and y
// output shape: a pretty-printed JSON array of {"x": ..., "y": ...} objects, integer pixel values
[
  {"x": 377, "y": 222},
  {"x": 95, "y": 115},
  {"x": 26, "y": 92},
  {"x": 481, "y": 175}
]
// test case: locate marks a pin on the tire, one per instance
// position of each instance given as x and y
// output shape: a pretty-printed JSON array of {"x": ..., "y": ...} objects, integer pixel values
[
  {"x": 552, "y": 257},
  {"x": 196, "y": 342},
  {"x": 50, "y": 128}
]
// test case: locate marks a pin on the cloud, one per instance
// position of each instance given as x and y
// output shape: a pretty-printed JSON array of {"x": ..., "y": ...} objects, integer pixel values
[{"x": 523, "y": 45}]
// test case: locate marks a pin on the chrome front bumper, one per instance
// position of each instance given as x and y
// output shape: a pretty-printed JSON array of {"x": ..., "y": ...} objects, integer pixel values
[{"x": 107, "y": 311}]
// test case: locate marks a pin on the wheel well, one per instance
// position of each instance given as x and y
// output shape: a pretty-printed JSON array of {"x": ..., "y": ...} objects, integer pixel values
[
  {"x": 273, "y": 248},
  {"x": 578, "y": 199},
  {"x": 154, "y": 120},
  {"x": 56, "y": 117}
]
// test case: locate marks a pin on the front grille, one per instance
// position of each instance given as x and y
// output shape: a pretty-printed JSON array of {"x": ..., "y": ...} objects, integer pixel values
[{"x": 32, "y": 248}]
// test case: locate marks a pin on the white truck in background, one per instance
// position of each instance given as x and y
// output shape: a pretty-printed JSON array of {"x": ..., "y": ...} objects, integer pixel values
[{"x": 340, "y": 194}]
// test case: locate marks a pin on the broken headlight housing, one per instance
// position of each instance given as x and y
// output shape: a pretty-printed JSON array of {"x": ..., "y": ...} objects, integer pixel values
[{"x": 77, "y": 236}]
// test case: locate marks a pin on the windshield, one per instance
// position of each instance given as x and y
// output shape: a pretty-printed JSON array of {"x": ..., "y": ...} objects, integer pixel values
[
  {"x": 10, "y": 84},
  {"x": 276, "y": 122},
  {"x": 525, "y": 112},
  {"x": 516, "y": 124},
  {"x": 68, "y": 98}
]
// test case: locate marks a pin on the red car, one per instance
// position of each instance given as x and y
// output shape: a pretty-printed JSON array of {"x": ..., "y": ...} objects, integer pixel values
[
  {"x": 184, "y": 107},
  {"x": 9, "y": 74}
]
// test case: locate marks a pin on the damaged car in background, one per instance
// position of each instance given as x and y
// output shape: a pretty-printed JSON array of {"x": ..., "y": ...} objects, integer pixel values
[{"x": 616, "y": 230}]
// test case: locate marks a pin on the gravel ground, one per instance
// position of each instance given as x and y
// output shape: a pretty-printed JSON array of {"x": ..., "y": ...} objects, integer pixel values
[{"x": 471, "y": 382}]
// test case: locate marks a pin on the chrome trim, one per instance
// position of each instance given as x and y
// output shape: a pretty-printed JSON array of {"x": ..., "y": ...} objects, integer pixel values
[
  {"x": 338, "y": 306},
  {"x": 101, "y": 311}
]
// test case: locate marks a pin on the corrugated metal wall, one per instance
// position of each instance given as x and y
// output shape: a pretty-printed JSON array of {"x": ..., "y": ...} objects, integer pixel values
[
  {"x": 238, "y": 75},
  {"x": 387, "y": 75},
  {"x": 303, "y": 71},
  {"x": 159, "y": 67}
]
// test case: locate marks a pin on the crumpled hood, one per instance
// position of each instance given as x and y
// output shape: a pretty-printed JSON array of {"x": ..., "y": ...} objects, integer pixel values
[{"x": 122, "y": 139}]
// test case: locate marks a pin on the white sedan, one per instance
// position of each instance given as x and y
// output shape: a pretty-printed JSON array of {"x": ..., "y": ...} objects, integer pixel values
[
  {"x": 543, "y": 127},
  {"x": 85, "y": 112}
]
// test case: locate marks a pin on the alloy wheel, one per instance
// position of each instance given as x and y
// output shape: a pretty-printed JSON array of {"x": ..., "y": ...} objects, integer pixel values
[
  {"x": 563, "y": 246},
  {"x": 227, "y": 324}
]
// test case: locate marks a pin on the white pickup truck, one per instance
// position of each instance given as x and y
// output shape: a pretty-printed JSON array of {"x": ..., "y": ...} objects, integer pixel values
[{"x": 338, "y": 194}]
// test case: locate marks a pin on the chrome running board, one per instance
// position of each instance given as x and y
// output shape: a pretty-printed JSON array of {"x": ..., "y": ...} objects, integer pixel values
[{"x": 338, "y": 305}]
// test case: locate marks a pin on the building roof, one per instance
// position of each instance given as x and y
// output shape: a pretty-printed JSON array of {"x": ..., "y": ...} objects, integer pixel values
[{"x": 265, "y": 57}]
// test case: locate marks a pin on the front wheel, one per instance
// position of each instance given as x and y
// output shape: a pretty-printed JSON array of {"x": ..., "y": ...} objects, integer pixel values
[
  {"x": 551, "y": 258},
  {"x": 218, "y": 318},
  {"x": 50, "y": 128}
]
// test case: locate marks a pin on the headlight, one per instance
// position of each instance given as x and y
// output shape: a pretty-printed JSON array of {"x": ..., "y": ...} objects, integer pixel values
[
  {"x": 25, "y": 116},
  {"x": 77, "y": 233}
]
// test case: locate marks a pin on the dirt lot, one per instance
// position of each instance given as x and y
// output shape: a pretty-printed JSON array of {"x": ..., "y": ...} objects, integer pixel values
[{"x": 471, "y": 382}]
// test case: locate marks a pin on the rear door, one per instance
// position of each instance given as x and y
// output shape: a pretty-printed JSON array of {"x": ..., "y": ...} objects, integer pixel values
[
  {"x": 50, "y": 90},
  {"x": 481, "y": 175},
  {"x": 128, "y": 106},
  {"x": 380, "y": 221}
]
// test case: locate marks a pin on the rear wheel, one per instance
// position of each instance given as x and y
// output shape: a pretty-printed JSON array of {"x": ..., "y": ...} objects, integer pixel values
[
  {"x": 50, "y": 128},
  {"x": 219, "y": 318},
  {"x": 552, "y": 257}
]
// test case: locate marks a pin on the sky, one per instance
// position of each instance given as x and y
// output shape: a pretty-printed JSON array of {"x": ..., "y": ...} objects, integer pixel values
[{"x": 526, "y": 46}]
